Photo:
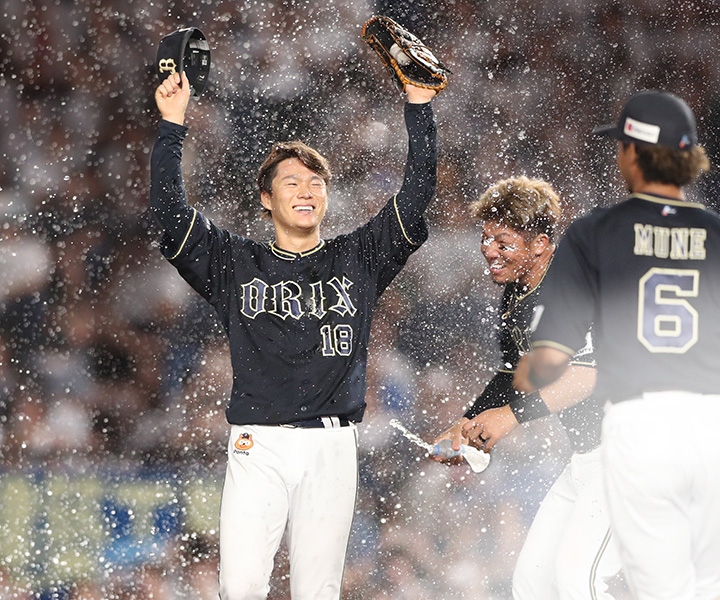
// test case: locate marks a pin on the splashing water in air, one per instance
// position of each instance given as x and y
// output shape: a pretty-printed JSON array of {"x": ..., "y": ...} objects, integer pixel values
[{"x": 477, "y": 460}]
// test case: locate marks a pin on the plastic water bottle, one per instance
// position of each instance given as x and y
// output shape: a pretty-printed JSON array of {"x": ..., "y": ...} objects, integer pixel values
[{"x": 477, "y": 459}]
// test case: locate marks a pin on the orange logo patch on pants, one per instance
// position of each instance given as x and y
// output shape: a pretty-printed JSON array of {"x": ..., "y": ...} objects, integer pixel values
[{"x": 244, "y": 442}]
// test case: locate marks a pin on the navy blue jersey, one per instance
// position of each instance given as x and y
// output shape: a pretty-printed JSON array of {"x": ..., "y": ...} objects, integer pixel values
[
  {"x": 298, "y": 324},
  {"x": 646, "y": 272},
  {"x": 582, "y": 422}
]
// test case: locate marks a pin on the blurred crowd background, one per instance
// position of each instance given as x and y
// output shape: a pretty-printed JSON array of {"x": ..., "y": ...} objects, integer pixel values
[{"x": 114, "y": 375}]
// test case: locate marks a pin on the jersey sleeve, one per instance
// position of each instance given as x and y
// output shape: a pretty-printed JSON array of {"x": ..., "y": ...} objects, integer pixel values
[
  {"x": 190, "y": 242},
  {"x": 168, "y": 200},
  {"x": 528, "y": 407},
  {"x": 498, "y": 392},
  {"x": 399, "y": 229},
  {"x": 585, "y": 356},
  {"x": 565, "y": 310},
  {"x": 420, "y": 180}
]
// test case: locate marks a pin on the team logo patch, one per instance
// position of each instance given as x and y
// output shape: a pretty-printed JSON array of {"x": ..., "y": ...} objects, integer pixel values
[
  {"x": 167, "y": 65},
  {"x": 668, "y": 210},
  {"x": 244, "y": 442},
  {"x": 645, "y": 132}
]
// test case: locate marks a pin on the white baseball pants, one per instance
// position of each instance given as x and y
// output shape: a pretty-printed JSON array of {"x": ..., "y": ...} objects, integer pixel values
[
  {"x": 661, "y": 461},
  {"x": 569, "y": 553},
  {"x": 279, "y": 480}
]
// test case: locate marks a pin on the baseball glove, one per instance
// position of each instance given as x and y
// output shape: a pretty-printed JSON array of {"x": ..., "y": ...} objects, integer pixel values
[{"x": 407, "y": 59}]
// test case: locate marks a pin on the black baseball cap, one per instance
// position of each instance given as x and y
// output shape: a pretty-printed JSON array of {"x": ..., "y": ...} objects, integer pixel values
[
  {"x": 655, "y": 118},
  {"x": 185, "y": 50}
]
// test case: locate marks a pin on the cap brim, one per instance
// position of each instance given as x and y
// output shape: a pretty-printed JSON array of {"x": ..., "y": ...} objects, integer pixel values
[{"x": 608, "y": 131}]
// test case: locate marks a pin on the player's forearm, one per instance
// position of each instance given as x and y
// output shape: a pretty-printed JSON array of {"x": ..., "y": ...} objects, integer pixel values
[
  {"x": 498, "y": 392},
  {"x": 420, "y": 182},
  {"x": 528, "y": 407},
  {"x": 540, "y": 368},
  {"x": 168, "y": 201},
  {"x": 575, "y": 385}
]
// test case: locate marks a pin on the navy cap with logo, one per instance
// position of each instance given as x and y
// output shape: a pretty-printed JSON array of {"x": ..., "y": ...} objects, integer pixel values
[
  {"x": 185, "y": 50},
  {"x": 656, "y": 118}
]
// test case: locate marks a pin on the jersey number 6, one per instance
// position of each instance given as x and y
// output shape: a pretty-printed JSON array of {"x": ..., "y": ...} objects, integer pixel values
[{"x": 667, "y": 322}]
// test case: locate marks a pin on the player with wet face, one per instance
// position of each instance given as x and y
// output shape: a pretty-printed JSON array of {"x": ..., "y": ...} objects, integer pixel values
[
  {"x": 646, "y": 273},
  {"x": 297, "y": 311},
  {"x": 568, "y": 553}
]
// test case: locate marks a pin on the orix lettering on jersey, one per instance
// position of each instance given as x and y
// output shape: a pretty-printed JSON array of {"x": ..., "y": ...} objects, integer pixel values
[
  {"x": 521, "y": 336},
  {"x": 290, "y": 299}
]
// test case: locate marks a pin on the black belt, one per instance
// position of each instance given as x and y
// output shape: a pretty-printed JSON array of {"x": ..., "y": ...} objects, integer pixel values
[{"x": 325, "y": 422}]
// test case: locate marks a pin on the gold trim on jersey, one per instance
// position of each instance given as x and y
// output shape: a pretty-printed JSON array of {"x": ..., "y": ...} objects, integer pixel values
[
  {"x": 663, "y": 200},
  {"x": 549, "y": 344},
  {"x": 518, "y": 299},
  {"x": 287, "y": 255},
  {"x": 577, "y": 363},
  {"x": 187, "y": 235},
  {"x": 402, "y": 227}
]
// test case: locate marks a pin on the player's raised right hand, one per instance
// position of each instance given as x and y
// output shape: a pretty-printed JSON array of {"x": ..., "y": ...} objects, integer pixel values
[
  {"x": 454, "y": 434},
  {"x": 172, "y": 97}
]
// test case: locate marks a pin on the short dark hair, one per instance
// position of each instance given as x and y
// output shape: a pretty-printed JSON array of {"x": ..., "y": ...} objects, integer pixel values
[
  {"x": 660, "y": 164},
  {"x": 281, "y": 151},
  {"x": 523, "y": 204}
]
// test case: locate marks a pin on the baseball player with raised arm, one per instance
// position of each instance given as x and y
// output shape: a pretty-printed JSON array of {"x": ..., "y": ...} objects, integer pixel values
[
  {"x": 297, "y": 311},
  {"x": 646, "y": 274},
  {"x": 568, "y": 552}
]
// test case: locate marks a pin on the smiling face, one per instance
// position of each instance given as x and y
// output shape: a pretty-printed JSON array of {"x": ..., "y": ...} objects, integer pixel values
[
  {"x": 509, "y": 255},
  {"x": 298, "y": 200},
  {"x": 518, "y": 217}
]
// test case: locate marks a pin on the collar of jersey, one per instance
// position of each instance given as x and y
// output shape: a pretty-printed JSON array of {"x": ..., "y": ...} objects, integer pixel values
[
  {"x": 665, "y": 200},
  {"x": 287, "y": 255},
  {"x": 519, "y": 298}
]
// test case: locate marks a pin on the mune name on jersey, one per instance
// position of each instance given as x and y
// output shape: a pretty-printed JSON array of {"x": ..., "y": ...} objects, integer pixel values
[
  {"x": 290, "y": 299},
  {"x": 675, "y": 243}
]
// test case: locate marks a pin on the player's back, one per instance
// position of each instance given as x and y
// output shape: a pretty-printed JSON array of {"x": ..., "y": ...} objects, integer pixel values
[{"x": 658, "y": 275}]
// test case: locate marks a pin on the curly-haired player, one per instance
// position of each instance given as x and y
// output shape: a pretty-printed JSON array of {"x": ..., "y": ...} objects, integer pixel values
[
  {"x": 646, "y": 273},
  {"x": 568, "y": 553}
]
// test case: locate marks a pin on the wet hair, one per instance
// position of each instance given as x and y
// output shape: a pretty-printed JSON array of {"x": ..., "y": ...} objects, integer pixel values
[
  {"x": 308, "y": 156},
  {"x": 659, "y": 164},
  {"x": 523, "y": 204}
]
